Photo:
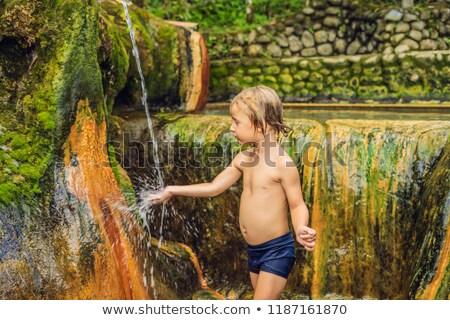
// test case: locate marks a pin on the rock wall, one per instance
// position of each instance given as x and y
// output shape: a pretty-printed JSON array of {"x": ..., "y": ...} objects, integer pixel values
[
  {"x": 406, "y": 76},
  {"x": 336, "y": 27},
  {"x": 382, "y": 232},
  {"x": 390, "y": 55},
  {"x": 63, "y": 67}
]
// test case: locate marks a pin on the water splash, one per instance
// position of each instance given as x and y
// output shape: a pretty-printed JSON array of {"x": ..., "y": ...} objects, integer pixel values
[{"x": 160, "y": 181}]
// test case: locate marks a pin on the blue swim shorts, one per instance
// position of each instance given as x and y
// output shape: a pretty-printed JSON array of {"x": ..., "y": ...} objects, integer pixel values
[{"x": 276, "y": 256}]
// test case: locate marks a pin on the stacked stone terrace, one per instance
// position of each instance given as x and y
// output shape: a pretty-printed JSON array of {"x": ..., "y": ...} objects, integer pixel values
[{"x": 338, "y": 50}]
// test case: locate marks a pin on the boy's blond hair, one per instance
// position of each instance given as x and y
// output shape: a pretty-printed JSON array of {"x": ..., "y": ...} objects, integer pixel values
[{"x": 263, "y": 105}]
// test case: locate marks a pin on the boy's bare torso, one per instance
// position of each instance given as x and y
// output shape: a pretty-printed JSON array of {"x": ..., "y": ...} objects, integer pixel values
[{"x": 263, "y": 207}]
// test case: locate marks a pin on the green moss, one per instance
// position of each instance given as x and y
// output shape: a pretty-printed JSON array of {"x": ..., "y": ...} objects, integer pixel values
[
  {"x": 286, "y": 88},
  {"x": 354, "y": 82},
  {"x": 29, "y": 172},
  {"x": 273, "y": 70},
  {"x": 220, "y": 71},
  {"x": 45, "y": 98},
  {"x": 286, "y": 79},
  {"x": 373, "y": 71},
  {"x": 372, "y": 91},
  {"x": 123, "y": 181},
  {"x": 316, "y": 77},
  {"x": 6, "y": 190},
  {"x": 444, "y": 289},
  {"x": 254, "y": 71},
  {"x": 17, "y": 142},
  {"x": 159, "y": 54},
  {"x": 414, "y": 91},
  {"x": 79, "y": 66},
  {"x": 343, "y": 92},
  {"x": 341, "y": 73},
  {"x": 370, "y": 80},
  {"x": 115, "y": 59},
  {"x": 247, "y": 80},
  {"x": 301, "y": 75},
  {"x": 205, "y": 295},
  {"x": 162, "y": 78},
  {"x": 270, "y": 79},
  {"x": 47, "y": 120}
]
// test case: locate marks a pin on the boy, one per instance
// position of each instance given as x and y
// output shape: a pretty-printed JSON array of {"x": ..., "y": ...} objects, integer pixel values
[{"x": 271, "y": 182}]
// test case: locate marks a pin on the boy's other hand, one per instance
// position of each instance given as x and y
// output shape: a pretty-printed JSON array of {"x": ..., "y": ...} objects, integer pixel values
[
  {"x": 306, "y": 237},
  {"x": 162, "y": 196}
]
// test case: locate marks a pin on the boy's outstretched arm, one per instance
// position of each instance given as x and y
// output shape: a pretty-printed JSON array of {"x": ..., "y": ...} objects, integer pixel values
[
  {"x": 290, "y": 181},
  {"x": 222, "y": 182}
]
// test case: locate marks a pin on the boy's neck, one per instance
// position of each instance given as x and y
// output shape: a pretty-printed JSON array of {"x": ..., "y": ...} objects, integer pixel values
[{"x": 263, "y": 146}]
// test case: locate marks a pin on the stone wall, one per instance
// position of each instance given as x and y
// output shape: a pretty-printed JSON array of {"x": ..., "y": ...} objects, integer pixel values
[
  {"x": 339, "y": 27},
  {"x": 339, "y": 50},
  {"x": 391, "y": 77}
]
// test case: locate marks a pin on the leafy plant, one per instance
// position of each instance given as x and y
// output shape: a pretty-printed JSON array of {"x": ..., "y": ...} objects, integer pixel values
[{"x": 220, "y": 15}]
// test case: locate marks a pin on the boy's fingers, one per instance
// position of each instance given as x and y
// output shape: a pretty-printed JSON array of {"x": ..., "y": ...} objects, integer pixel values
[
  {"x": 154, "y": 199},
  {"x": 311, "y": 245},
  {"x": 307, "y": 237},
  {"x": 306, "y": 231}
]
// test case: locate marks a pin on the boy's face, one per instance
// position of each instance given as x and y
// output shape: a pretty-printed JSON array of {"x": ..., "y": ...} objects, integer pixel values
[{"x": 242, "y": 127}]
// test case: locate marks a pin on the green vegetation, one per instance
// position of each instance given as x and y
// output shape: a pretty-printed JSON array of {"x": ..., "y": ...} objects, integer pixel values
[
  {"x": 224, "y": 15},
  {"x": 28, "y": 112},
  {"x": 123, "y": 180},
  {"x": 37, "y": 98},
  {"x": 219, "y": 16}
]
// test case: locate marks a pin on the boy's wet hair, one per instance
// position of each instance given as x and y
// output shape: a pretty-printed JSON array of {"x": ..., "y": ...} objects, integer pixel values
[{"x": 263, "y": 105}]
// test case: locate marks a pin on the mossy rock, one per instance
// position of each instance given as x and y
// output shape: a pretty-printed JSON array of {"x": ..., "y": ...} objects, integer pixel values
[
  {"x": 371, "y": 91},
  {"x": 286, "y": 88},
  {"x": 272, "y": 70},
  {"x": 354, "y": 82},
  {"x": 392, "y": 69},
  {"x": 270, "y": 79},
  {"x": 370, "y": 80},
  {"x": 219, "y": 72},
  {"x": 341, "y": 73},
  {"x": 286, "y": 79},
  {"x": 341, "y": 83},
  {"x": 373, "y": 71},
  {"x": 67, "y": 50},
  {"x": 301, "y": 75},
  {"x": 416, "y": 91},
  {"x": 357, "y": 69},
  {"x": 247, "y": 80},
  {"x": 325, "y": 72},
  {"x": 343, "y": 92},
  {"x": 293, "y": 70},
  {"x": 315, "y": 65},
  {"x": 316, "y": 77},
  {"x": 206, "y": 294},
  {"x": 254, "y": 71}
]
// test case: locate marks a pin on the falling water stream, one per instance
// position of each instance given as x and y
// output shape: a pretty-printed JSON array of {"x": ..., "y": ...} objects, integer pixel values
[{"x": 160, "y": 181}]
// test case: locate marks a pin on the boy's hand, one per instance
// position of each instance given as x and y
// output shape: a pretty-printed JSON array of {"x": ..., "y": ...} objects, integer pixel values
[
  {"x": 161, "y": 197},
  {"x": 306, "y": 237}
]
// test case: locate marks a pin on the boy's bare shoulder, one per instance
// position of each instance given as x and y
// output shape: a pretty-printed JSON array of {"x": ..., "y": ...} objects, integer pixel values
[
  {"x": 245, "y": 158},
  {"x": 239, "y": 159},
  {"x": 284, "y": 160}
]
